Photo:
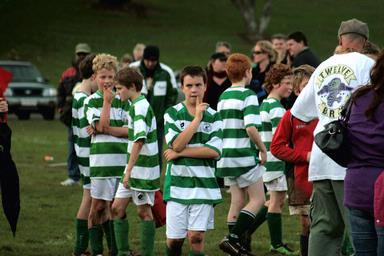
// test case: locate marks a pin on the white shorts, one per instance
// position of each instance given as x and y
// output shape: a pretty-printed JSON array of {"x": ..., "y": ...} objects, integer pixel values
[
  {"x": 138, "y": 197},
  {"x": 182, "y": 218},
  {"x": 299, "y": 209},
  {"x": 104, "y": 189},
  {"x": 248, "y": 178},
  {"x": 87, "y": 186},
  {"x": 86, "y": 182},
  {"x": 278, "y": 184}
]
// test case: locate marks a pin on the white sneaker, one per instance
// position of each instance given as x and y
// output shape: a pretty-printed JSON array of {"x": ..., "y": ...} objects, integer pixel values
[{"x": 69, "y": 182}]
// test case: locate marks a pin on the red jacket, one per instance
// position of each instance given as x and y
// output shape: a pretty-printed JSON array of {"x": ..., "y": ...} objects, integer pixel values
[{"x": 300, "y": 134}]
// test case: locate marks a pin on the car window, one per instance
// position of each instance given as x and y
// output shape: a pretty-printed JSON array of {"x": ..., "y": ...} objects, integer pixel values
[{"x": 23, "y": 73}]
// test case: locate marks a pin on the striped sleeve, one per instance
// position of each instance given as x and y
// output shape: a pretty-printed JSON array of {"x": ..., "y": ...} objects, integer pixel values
[
  {"x": 92, "y": 113},
  {"x": 140, "y": 128},
  {"x": 170, "y": 126},
  {"x": 215, "y": 141},
  {"x": 251, "y": 111}
]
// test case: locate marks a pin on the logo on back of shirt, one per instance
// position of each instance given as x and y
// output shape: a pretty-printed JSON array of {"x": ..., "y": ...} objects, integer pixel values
[{"x": 334, "y": 90}]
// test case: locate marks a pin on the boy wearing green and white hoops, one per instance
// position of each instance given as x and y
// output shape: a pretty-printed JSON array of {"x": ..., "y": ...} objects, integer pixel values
[
  {"x": 141, "y": 178},
  {"x": 106, "y": 113},
  {"x": 193, "y": 135}
]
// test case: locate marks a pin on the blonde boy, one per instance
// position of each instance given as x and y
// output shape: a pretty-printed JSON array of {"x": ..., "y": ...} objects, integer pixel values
[{"x": 106, "y": 113}]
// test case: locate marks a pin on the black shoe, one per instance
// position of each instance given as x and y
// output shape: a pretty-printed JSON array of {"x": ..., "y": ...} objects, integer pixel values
[{"x": 233, "y": 248}]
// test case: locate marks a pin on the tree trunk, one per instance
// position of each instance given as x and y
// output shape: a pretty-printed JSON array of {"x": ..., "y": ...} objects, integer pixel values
[{"x": 255, "y": 27}]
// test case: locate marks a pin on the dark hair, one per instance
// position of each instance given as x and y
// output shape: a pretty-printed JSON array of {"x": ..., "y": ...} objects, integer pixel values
[
  {"x": 193, "y": 71},
  {"x": 377, "y": 85},
  {"x": 151, "y": 52},
  {"x": 275, "y": 75},
  {"x": 298, "y": 36},
  {"x": 237, "y": 66},
  {"x": 85, "y": 66},
  {"x": 129, "y": 77}
]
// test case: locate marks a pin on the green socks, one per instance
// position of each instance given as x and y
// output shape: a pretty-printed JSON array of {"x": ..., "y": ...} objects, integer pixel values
[
  {"x": 147, "y": 237},
  {"x": 261, "y": 217},
  {"x": 121, "y": 228},
  {"x": 110, "y": 236},
  {"x": 82, "y": 237},
  {"x": 242, "y": 225},
  {"x": 275, "y": 229},
  {"x": 96, "y": 239}
]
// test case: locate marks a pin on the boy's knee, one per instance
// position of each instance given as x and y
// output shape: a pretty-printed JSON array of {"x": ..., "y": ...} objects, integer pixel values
[
  {"x": 196, "y": 239},
  {"x": 144, "y": 212},
  {"x": 117, "y": 211}
]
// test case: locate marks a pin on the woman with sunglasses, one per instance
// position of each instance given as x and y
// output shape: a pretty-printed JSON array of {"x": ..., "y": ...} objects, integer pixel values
[{"x": 263, "y": 57}]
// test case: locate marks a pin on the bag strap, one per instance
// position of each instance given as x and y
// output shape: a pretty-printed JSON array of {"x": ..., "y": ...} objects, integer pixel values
[{"x": 346, "y": 112}]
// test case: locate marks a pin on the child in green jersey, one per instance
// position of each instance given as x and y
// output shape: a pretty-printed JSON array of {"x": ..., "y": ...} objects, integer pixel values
[
  {"x": 193, "y": 135},
  {"x": 278, "y": 84},
  {"x": 106, "y": 113},
  {"x": 242, "y": 163},
  {"x": 141, "y": 177},
  {"x": 82, "y": 132}
]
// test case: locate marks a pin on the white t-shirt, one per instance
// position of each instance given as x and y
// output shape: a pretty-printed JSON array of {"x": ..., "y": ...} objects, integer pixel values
[{"x": 328, "y": 89}]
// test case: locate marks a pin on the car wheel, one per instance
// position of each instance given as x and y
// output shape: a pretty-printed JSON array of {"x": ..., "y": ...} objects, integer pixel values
[
  {"x": 49, "y": 114},
  {"x": 23, "y": 115}
]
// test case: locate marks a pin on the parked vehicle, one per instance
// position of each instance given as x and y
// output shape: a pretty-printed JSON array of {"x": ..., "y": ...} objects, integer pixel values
[{"x": 29, "y": 91}]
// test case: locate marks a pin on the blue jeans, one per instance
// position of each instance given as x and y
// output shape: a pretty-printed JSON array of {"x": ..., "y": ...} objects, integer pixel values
[
  {"x": 368, "y": 239},
  {"x": 72, "y": 165}
]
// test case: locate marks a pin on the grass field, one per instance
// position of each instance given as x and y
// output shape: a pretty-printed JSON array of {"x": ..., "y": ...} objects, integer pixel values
[
  {"x": 46, "y": 224},
  {"x": 46, "y": 32}
]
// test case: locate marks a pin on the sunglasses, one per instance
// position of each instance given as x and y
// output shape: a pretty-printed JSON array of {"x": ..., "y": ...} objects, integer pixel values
[{"x": 257, "y": 52}]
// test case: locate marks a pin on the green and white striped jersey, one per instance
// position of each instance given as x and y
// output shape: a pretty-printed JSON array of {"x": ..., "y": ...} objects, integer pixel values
[
  {"x": 82, "y": 139},
  {"x": 145, "y": 175},
  {"x": 108, "y": 154},
  {"x": 271, "y": 111},
  {"x": 192, "y": 180},
  {"x": 239, "y": 109}
]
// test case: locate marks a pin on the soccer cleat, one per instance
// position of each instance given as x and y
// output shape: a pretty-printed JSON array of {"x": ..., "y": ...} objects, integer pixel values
[
  {"x": 233, "y": 248},
  {"x": 69, "y": 182},
  {"x": 284, "y": 250}
]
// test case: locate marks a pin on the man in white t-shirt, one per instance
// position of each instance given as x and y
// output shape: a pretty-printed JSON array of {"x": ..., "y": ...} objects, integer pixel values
[{"x": 327, "y": 91}]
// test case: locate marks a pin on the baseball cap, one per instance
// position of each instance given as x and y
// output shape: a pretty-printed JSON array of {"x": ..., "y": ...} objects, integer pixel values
[
  {"x": 219, "y": 55},
  {"x": 354, "y": 26},
  {"x": 82, "y": 48},
  {"x": 151, "y": 52}
]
